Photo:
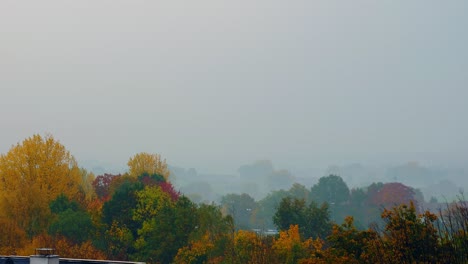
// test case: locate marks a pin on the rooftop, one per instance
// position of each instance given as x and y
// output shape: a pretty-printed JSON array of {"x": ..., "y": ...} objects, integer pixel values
[{"x": 26, "y": 260}]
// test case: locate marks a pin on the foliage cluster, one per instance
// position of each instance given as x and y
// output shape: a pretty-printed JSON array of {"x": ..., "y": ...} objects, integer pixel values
[{"x": 46, "y": 200}]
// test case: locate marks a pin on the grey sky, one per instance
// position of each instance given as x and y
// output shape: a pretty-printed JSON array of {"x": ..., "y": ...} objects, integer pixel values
[{"x": 216, "y": 84}]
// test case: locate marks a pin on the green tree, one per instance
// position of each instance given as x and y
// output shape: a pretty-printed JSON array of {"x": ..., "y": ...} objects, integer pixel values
[
  {"x": 331, "y": 189},
  {"x": 299, "y": 191},
  {"x": 76, "y": 226},
  {"x": 268, "y": 207},
  {"x": 71, "y": 221},
  {"x": 269, "y": 204},
  {"x": 313, "y": 221},
  {"x": 334, "y": 191},
  {"x": 120, "y": 207},
  {"x": 358, "y": 208},
  {"x": 211, "y": 221},
  {"x": 62, "y": 203},
  {"x": 161, "y": 235},
  {"x": 241, "y": 207},
  {"x": 120, "y": 229}
]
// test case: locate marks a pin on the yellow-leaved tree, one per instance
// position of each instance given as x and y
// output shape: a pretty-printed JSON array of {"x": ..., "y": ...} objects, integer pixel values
[
  {"x": 148, "y": 163},
  {"x": 32, "y": 174},
  {"x": 289, "y": 247},
  {"x": 86, "y": 186}
]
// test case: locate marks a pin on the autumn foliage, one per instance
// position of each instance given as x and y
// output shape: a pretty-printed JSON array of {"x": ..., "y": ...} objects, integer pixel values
[
  {"x": 32, "y": 174},
  {"x": 102, "y": 185},
  {"x": 148, "y": 163},
  {"x": 46, "y": 200},
  {"x": 391, "y": 194}
]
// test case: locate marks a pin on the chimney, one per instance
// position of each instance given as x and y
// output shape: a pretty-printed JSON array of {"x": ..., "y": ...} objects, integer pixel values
[{"x": 44, "y": 256}]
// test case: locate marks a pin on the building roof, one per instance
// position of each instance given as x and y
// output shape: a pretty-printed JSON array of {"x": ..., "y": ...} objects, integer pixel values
[{"x": 26, "y": 260}]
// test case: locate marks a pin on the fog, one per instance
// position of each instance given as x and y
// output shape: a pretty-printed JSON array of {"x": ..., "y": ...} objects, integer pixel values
[{"x": 311, "y": 86}]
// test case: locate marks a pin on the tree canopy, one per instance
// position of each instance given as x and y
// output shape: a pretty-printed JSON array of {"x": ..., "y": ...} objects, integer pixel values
[
  {"x": 147, "y": 163},
  {"x": 32, "y": 174},
  {"x": 313, "y": 221},
  {"x": 331, "y": 189}
]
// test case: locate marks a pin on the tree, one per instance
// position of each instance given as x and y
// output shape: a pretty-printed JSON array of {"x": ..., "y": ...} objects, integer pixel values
[
  {"x": 195, "y": 253},
  {"x": 334, "y": 191},
  {"x": 74, "y": 225},
  {"x": 210, "y": 239},
  {"x": 290, "y": 247},
  {"x": 12, "y": 237},
  {"x": 453, "y": 224},
  {"x": 331, "y": 189},
  {"x": 249, "y": 248},
  {"x": 346, "y": 240},
  {"x": 159, "y": 180},
  {"x": 241, "y": 207},
  {"x": 269, "y": 204},
  {"x": 409, "y": 237},
  {"x": 299, "y": 191},
  {"x": 62, "y": 203},
  {"x": 87, "y": 179},
  {"x": 85, "y": 250},
  {"x": 71, "y": 221},
  {"x": 32, "y": 174},
  {"x": 120, "y": 229},
  {"x": 313, "y": 221},
  {"x": 149, "y": 163},
  {"x": 120, "y": 207},
  {"x": 392, "y": 194},
  {"x": 166, "y": 226},
  {"x": 211, "y": 221},
  {"x": 268, "y": 207},
  {"x": 214, "y": 228},
  {"x": 102, "y": 184},
  {"x": 150, "y": 202},
  {"x": 291, "y": 212}
]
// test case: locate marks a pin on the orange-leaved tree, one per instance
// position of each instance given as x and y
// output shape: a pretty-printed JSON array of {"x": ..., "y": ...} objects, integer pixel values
[
  {"x": 351, "y": 244},
  {"x": 409, "y": 237},
  {"x": 195, "y": 252}
]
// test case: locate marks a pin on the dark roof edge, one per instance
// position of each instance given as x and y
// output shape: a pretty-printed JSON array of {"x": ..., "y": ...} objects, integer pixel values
[{"x": 68, "y": 260}]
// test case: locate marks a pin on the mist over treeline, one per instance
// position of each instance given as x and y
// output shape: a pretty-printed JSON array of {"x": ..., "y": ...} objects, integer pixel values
[{"x": 261, "y": 177}]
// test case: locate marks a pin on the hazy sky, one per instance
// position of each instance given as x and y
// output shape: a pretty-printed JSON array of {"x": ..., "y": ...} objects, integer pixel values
[{"x": 216, "y": 84}]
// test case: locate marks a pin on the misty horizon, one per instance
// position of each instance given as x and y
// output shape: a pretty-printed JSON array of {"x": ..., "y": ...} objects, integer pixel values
[{"x": 214, "y": 85}]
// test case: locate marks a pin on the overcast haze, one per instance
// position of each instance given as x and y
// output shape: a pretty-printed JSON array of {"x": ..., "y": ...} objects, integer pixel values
[{"x": 217, "y": 84}]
